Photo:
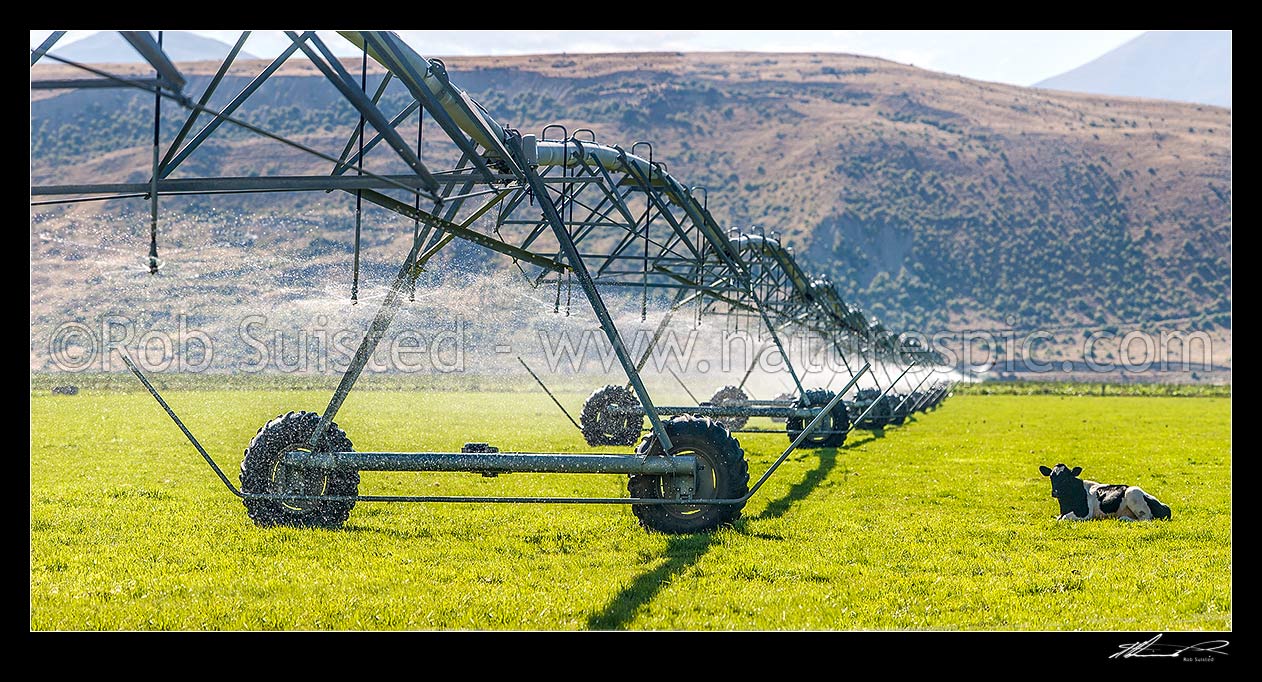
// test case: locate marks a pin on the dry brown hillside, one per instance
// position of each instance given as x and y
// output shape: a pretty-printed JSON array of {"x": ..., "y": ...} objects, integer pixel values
[{"x": 934, "y": 200}]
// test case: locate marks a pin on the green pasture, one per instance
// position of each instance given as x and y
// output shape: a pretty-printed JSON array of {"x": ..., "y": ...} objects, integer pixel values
[{"x": 943, "y": 523}]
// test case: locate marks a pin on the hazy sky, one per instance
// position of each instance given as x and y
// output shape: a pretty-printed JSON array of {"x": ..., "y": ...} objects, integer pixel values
[{"x": 1018, "y": 57}]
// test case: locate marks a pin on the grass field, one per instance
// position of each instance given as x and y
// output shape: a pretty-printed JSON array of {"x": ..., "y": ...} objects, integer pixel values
[
  {"x": 943, "y": 523},
  {"x": 1082, "y": 388}
]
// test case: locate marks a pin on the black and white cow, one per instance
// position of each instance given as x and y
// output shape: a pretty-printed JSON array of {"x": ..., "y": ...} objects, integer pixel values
[{"x": 1081, "y": 500}]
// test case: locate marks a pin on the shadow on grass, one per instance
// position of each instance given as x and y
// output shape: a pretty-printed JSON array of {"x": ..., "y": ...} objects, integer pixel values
[
  {"x": 683, "y": 551},
  {"x": 827, "y": 462}
]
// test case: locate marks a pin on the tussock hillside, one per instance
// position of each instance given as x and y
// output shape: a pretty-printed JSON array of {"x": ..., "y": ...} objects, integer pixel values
[{"x": 934, "y": 200}]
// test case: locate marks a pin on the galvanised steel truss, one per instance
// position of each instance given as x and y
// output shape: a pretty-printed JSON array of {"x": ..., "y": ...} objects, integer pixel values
[{"x": 565, "y": 209}]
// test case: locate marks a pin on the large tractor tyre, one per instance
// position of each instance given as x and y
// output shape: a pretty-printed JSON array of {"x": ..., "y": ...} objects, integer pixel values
[
  {"x": 600, "y": 427},
  {"x": 880, "y": 415},
  {"x": 722, "y": 474},
  {"x": 735, "y": 396},
  {"x": 831, "y": 432},
  {"x": 900, "y": 414},
  {"x": 883, "y": 415},
  {"x": 862, "y": 399},
  {"x": 263, "y": 472}
]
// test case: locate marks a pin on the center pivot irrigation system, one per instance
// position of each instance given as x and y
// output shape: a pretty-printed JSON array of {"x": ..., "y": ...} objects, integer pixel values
[{"x": 563, "y": 208}]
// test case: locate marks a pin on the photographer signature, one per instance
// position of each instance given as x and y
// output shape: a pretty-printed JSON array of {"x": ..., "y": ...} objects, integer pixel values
[{"x": 1152, "y": 649}]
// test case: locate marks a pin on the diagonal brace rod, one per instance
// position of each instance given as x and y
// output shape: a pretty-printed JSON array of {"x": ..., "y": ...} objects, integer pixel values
[
  {"x": 589, "y": 288},
  {"x": 337, "y": 74}
]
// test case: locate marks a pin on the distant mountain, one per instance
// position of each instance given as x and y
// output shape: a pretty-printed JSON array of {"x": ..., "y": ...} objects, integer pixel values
[
  {"x": 1186, "y": 66},
  {"x": 107, "y": 47}
]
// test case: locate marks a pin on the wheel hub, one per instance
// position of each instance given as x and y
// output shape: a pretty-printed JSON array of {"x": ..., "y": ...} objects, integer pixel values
[
  {"x": 287, "y": 479},
  {"x": 702, "y": 486}
]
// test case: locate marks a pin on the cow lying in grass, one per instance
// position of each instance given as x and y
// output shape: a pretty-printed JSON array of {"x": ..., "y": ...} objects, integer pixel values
[{"x": 1081, "y": 500}]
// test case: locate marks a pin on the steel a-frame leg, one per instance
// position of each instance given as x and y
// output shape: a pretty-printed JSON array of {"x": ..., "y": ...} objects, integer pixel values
[
  {"x": 913, "y": 392},
  {"x": 681, "y": 298},
  {"x": 380, "y": 323},
  {"x": 745, "y": 278},
  {"x": 589, "y": 289}
]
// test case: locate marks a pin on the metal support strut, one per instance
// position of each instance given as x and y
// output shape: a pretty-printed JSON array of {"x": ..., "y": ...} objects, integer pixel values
[
  {"x": 589, "y": 288},
  {"x": 660, "y": 466},
  {"x": 153, "y": 180},
  {"x": 673, "y": 242}
]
